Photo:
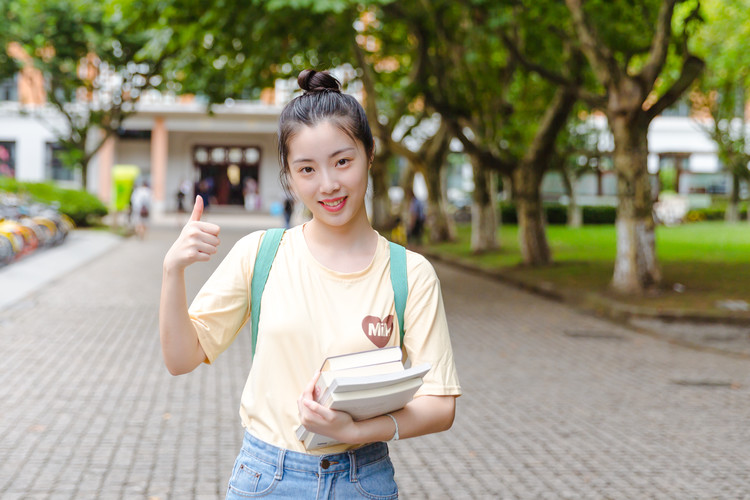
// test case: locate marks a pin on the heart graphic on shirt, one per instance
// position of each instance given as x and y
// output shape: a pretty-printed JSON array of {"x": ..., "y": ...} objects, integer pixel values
[{"x": 378, "y": 330}]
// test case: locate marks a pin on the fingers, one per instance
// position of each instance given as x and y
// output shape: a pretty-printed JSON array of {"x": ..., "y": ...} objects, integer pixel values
[
  {"x": 197, "y": 242},
  {"x": 197, "y": 209},
  {"x": 207, "y": 227}
]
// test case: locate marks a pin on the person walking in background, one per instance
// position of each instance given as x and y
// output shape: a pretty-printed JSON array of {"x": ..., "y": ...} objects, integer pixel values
[
  {"x": 288, "y": 211},
  {"x": 183, "y": 194},
  {"x": 330, "y": 277},
  {"x": 140, "y": 203},
  {"x": 415, "y": 226},
  {"x": 250, "y": 193}
]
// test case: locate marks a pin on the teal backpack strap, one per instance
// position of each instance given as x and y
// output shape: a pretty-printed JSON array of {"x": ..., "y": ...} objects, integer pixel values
[
  {"x": 399, "y": 284},
  {"x": 263, "y": 262}
]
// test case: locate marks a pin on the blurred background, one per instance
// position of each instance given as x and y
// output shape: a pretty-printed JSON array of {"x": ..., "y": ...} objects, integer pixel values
[
  {"x": 497, "y": 123},
  {"x": 488, "y": 113}
]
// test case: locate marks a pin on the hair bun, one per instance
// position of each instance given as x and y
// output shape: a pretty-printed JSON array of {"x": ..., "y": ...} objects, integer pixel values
[{"x": 310, "y": 80}]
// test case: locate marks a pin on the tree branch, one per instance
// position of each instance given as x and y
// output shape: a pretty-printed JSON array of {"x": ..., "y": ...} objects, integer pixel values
[
  {"x": 691, "y": 69},
  {"x": 659, "y": 44},
  {"x": 602, "y": 62},
  {"x": 542, "y": 71},
  {"x": 543, "y": 144},
  {"x": 493, "y": 161}
]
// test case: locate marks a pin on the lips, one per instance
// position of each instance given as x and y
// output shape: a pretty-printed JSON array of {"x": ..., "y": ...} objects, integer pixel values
[{"x": 333, "y": 205}]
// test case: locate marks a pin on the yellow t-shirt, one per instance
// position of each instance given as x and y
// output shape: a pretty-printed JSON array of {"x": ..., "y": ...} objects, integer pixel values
[{"x": 309, "y": 313}]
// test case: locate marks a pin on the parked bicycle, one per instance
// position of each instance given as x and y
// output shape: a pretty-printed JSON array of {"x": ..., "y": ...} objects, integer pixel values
[{"x": 26, "y": 226}]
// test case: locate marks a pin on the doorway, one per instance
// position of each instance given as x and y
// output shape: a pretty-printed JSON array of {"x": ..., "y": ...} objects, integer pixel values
[{"x": 227, "y": 175}]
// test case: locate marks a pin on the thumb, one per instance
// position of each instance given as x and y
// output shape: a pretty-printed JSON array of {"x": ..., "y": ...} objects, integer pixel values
[{"x": 197, "y": 209}]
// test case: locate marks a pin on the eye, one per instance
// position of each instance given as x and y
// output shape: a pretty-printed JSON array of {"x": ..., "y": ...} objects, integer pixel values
[
  {"x": 306, "y": 170},
  {"x": 343, "y": 162}
]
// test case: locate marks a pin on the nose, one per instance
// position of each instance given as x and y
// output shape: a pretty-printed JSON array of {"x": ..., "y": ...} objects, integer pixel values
[{"x": 329, "y": 182}]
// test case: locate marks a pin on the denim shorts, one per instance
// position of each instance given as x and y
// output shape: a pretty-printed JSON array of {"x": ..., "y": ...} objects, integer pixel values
[{"x": 263, "y": 470}]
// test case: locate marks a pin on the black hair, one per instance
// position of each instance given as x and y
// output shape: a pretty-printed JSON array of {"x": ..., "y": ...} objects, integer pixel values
[{"x": 321, "y": 100}]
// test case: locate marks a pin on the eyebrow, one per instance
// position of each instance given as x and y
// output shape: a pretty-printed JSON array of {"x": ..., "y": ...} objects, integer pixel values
[{"x": 335, "y": 153}]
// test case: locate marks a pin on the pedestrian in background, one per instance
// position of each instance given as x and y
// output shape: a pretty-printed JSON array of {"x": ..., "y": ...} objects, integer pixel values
[
  {"x": 415, "y": 226},
  {"x": 140, "y": 203},
  {"x": 288, "y": 211},
  {"x": 330, "y": 275}
]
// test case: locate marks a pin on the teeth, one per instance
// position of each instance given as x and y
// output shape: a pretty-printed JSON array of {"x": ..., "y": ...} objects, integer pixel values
[{"x": 332, "y": 203}]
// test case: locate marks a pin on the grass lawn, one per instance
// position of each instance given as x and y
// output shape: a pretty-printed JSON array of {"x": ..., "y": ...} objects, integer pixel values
[{"x": 707, "y": 262}]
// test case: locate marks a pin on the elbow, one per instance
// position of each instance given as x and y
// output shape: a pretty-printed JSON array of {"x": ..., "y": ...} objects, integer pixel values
[
  {"x": 178, "y": 367},
  {"x": 176, "y": 370},
  {"x": 449, "y": 414}
]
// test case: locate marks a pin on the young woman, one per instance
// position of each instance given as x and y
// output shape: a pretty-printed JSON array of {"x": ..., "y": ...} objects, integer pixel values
[{"x": 329, "y": 279}]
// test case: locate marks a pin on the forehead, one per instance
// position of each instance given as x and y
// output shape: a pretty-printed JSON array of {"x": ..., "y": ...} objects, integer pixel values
[{"x": 320, "y": 140}]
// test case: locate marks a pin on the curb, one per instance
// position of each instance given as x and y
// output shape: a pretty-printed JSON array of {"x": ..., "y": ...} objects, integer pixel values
[{"x": 609, "y": 309}]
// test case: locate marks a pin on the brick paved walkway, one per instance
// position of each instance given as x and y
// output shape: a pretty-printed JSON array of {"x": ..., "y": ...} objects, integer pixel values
[{"x": 556, "y": 405}]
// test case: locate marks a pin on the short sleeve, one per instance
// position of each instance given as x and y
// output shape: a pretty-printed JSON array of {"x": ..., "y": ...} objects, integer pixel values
[
  {"x": 427, "y": 339},
  {"x": 222, "y": 306}
]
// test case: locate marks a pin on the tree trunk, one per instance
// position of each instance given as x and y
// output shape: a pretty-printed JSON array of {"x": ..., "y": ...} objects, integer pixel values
[
  {"x": 733, "y": 209},
  {"x": 575, "y": 212},
  {"x": 528, "y": 179},
  {"x": 531, "y": 233},
  {"x": 381, "y": 203},
  {"x": 483, "y": 210},
  {"x": 439, "y": 225},
  {"x": 636, "y": 266},
  {"x": 84, "y": 176}
]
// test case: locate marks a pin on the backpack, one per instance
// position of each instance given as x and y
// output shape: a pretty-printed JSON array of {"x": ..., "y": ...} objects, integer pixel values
[{"x": 267, "y": 253}]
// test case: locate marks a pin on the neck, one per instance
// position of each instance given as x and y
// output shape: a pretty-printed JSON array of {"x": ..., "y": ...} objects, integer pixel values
[{"x": 355, "y": 236}]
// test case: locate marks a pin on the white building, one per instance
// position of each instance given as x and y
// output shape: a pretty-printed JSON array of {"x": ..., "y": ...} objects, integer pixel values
[
  {"x": 676, "y": 143},
  {"x": 170, "y": 141}
]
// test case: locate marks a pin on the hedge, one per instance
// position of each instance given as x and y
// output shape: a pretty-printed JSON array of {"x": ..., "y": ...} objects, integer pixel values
[
  {"x": 557, "y": 214},
  {"x": 83, "y": 207},
  {"x": 712, "y": 213}
]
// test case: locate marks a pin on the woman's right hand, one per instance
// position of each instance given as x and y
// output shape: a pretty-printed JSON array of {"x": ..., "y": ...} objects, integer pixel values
[{"x": 197, "y": 242}]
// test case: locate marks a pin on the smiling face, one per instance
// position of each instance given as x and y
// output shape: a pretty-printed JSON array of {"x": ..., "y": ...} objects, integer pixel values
[{"x": 328, "y": 173}]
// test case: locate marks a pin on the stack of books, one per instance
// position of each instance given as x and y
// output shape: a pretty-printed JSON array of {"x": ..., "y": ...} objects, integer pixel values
[{"x": 364, "y": 384}]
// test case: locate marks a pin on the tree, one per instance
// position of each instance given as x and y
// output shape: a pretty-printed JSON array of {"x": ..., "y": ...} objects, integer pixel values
[
  {"x": 96, "y": 62},
  {"x": 578, "y": 155},
  {"x": 506, "y": 118},
  {"x": 429, "y": 160},
  {"x": 628, "y": 58},
  {"x": 722, "y": 92}
]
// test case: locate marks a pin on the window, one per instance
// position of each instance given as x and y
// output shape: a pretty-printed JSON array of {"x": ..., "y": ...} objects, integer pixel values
[
  {"x": 9, "y": 89},
  {"x": 55, "y": 167},
  {"x": 8, "y": 159},
  {"x": 681, "y": 108}
]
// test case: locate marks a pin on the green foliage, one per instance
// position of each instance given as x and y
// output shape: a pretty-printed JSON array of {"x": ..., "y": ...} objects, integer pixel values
[
  {"x": 109, "y": 52},
  {"x": 724, "y": 89},
  {"x": 82, "y": 207},
  {"x": 717, "y": 213}
]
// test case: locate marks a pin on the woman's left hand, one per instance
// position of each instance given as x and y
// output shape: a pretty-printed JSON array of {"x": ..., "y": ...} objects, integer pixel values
[{"x": 317, "y": 418}]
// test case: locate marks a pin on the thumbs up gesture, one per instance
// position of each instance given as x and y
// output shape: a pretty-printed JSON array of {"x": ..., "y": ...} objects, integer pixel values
[{"x": 197, "y": 241}]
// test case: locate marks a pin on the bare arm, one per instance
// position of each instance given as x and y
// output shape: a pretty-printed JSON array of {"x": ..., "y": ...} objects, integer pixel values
[
  {"x": 179, "y": 341},
  {"x": 423, "y": 415}
]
